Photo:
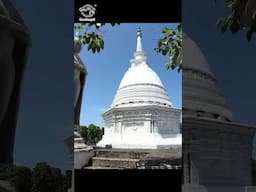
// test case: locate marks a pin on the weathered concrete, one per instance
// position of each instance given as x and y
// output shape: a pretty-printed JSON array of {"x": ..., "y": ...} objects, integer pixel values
[
  {"x": 216, "y": 151},
  {"x": 136, "y": 159},
  {"x": 217, "y": 154},
  {"x": 114, "y": 162},
  {"x": 125, "y": 154}
]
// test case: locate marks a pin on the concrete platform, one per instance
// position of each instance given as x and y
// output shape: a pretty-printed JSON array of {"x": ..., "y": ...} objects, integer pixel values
[
  {"x": 114, "y": 162},
  {"x": 136, "y": 159},
  {"x": 100, "y": 168}
]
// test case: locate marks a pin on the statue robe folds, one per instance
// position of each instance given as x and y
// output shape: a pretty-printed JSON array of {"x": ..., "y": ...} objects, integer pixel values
[
  {"x": 80, "y": 74},
  {"x": 11, "y": 24}
]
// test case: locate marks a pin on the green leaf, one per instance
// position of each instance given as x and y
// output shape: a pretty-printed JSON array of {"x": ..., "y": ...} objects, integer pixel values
[
  {"x": 179, "y": 28},
  {"x": 102, "y": 44},
  {"x": 165, "y": 30},
  {"x": 98, "y": 49},
  {"x": 156, "y": 49},
  {"x": 90, "y": 24},
  {"x": 160, "y": 42},
  {"x": 234, "y": 27},
  {"x": 87, "y": 39},
  {"x": 164, "y": 52},
  {"x": 171, "y": 57},
  {"x": 89, "y": 47},
  {"x": 229, "y": 4},
  {"x": 171, "y": 39},
  {"x": 170, "y": 45},
  {"x": 168, "y": 65}
]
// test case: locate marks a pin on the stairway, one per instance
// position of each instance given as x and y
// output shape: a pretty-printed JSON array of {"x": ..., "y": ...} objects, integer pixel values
[
  {"x": 136, "y": 159},
  {"x": 116, "y": 159}
]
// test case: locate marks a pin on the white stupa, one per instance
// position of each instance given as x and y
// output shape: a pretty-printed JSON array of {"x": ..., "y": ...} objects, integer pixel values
[
  {"x": 201, "y": 94},
  {"x": 141, "y": 115},
  {"x": 216, "y": 150}
]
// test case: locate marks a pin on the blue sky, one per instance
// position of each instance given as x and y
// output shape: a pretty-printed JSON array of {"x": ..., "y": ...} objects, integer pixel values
[{"x": 106, "y": 69}]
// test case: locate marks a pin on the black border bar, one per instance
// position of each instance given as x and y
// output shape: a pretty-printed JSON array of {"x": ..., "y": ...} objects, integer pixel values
[{"x": 131, "y": 11}]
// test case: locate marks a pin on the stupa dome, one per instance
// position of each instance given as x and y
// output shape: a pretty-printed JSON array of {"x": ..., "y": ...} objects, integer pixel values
[
  {"x": 144, "y": 75},
  {"x": 140, "y": 84},
  {"x": 201, "y": 95}
]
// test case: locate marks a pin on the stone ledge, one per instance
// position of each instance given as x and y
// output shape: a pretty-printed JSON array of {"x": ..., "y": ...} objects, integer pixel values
[
  {"x": 114, "y": 162},
  {"x": 100, "y": 168}
]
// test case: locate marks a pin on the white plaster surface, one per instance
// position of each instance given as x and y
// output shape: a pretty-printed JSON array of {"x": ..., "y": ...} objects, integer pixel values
[
  {"x": 141, "y": 115},
  {"x": 201, "y": 94},
  {"x": 82, "y": 152}
]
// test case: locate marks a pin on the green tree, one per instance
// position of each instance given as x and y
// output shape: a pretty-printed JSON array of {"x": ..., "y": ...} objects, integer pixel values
[
  {"x": 40, "y": 179},
  {"x": 20, "y": 177},
  {"x": 47, "y": 178},
  {"x": 90, "y": 35},
  {"x": 91, "y": 134},
  {"x": 170, "y": 45},
  {"x": 95, "y": 133},
  {"x": 83, "y": 130},
  {"x": 241, "y": 17},
  {"x": 59, "y": 180}
]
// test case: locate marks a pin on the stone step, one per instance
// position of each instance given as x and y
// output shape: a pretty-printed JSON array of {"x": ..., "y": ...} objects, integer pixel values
[
  {"x": 114, "y": 162},
  {"x": 123, "y": 154},
  {"x": 92, "y": 167}
]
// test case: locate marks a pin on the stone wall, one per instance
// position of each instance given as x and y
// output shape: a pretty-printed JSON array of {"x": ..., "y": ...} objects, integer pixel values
[
  {"x": 144, "y": 120},
  {"x": 216, "y": 152}
]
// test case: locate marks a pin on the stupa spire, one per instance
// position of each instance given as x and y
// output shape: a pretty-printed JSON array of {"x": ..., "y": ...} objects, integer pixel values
[
  {"x": 139, "y": 44},
  {"x": 139, "y": 55}
]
